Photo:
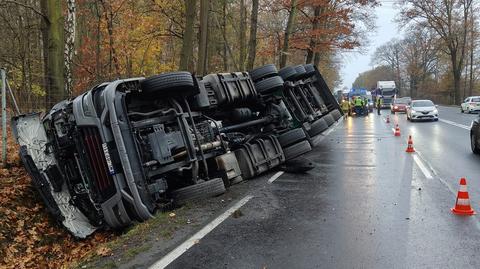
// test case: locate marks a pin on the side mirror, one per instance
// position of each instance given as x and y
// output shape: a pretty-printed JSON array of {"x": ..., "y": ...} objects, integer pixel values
[{"x": 436, "y": 105}]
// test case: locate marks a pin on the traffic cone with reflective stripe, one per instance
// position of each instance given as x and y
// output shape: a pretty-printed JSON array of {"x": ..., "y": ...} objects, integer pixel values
[
  {"x": 397, "y": 130},
  {"x": 410, "y": 148},
  {"x": 462, "y": 205},
  {"x": 388, "y": 119}
]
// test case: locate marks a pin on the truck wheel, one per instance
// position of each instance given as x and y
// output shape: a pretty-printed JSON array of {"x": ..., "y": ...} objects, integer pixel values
[
  {"x": 296, "y": 150},
  {"x": 310, "y": 68},
  {"x": 263, "y": 72},
  {"x": 168, "y": 84},
  {"x": 210, "y": 188},
  {"x": 269, "y": 85},
  {"x": 336, "y": 114},
  {"x": 329, "y": 119},
  {"x": 317, "y": 127},
  {"x": 301, "y": 72},
  {"x": 288, "y": 73},
  {"x": 291, "y": 137}
]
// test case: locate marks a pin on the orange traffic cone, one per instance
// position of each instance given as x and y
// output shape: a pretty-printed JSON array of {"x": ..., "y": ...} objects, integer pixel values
[
  {"x": 462, "y": 205},
  {"x": 388, "y": 119},
  {"x": 410, "y": 148},
  {"x": 397, "y": 130}
]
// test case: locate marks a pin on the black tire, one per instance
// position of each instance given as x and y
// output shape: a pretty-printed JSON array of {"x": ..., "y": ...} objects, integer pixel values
[
  {"x": 301, "y": 72},
  {"x": 391, "y": 112},
  {"x": 263, "y": 72},
  {"x": 318, "y": 127},
  {"x": 473, "y": 144},
  {"x": 210, "y": 188},
  {"x": 296, "y": 150},
  {"x": 291, "y": 137},
  {"x": 310, "y": 69},
  {"x": 329, "y": 119},
  {"x": 170, "y": 84},
  {"x": 288, "y": 73},
  {"x": 337, "y": 115},
  {"x": 269, "y": 85},
  {"x": 461, "y": 110}
]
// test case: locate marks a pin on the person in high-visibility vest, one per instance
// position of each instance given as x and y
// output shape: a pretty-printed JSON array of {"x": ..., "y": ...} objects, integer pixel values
[
  {"x": 345, "y": 107},
  {"x": 379, "y": 104},
  {"x": 358, "y": 105}
]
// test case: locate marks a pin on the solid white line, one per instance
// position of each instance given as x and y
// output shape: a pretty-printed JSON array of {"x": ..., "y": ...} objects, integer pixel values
[
  {"x": 195, "y": 239},
  {"x": 455, "y": 124},
  {"x": 274, "y": 177},
  {"x": 422, "y": 167}
]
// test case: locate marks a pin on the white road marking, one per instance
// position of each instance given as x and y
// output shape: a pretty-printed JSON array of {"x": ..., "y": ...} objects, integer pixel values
[
  {"x": 195, "y": 239},
  {"x": 422, "y": 167},
  {"x": 274, "y": 177},
  {"x": 437, "y": 176},
  {"x": 455, "y": 124}
]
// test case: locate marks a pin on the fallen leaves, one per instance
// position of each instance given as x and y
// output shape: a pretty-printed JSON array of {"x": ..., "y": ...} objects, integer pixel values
[
  {"x": 104, "y": 251},
  {"x": 29, "y": 237}
]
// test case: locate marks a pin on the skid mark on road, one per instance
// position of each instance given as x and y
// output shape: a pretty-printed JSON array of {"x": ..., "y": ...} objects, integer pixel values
[
  {"x": 455, "y": 124},
  {"x": 195, "y": 239}
]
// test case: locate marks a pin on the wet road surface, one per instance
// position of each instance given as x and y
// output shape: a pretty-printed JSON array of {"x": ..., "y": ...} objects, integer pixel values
[{"x": 367, "y": 204}]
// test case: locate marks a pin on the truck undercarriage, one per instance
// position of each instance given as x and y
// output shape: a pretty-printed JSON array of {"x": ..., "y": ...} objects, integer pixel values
[{"x": 128, "y": 148}]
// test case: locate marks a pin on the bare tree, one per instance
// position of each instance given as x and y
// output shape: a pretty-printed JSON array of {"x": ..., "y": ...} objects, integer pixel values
[
  {"x": 420, "y": 56},
  {"x": 449, "y": 19},
  {"x": 389, "y": 54}
]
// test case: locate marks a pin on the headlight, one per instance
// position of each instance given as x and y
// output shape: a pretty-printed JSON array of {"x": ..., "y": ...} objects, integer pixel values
[
  {"x": 395, "y": 107},
  {"x": 435, "y": 111},
  {"x": 413, "y": 111}
]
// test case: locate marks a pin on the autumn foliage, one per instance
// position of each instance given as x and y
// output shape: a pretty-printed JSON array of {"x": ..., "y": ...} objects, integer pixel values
[{"x": 29, "y": 238}]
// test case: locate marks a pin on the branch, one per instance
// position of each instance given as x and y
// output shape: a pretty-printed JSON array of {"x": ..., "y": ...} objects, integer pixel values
[{"x": 28, "y": 7}]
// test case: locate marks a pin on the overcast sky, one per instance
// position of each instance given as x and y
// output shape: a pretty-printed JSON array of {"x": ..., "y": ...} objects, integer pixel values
[{"x": 355, "y": 63}]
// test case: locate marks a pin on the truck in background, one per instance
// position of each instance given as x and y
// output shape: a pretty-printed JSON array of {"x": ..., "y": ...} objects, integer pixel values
[{"x": 387, "y": 90}]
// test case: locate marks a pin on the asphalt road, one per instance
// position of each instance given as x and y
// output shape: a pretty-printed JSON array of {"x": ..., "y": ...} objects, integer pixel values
[{"x": 367, "y": 204}]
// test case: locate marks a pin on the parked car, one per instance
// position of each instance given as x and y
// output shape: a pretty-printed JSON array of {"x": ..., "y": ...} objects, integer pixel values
[
  {"x": 125, "y": 149},
  {"x": 475, "y": 136},
  {"x": 400, "y": 105},
  {"x": 470, "y": 104},
  {"x": 422, "y": 110}
]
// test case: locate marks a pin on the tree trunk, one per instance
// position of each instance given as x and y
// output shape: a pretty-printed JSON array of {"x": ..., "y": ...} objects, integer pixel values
[
  {"x": 52, "y": 32},
  {"x": 242, "y": 35},
  {"x": 187, "y": 42},
  {"x": 252, "y": 44},
  {"x": 224, "y": 34},
  {"x": 313, "y": 38},
  {"x": 70, "y": 46},
  {"x": 288, "y": 31},
  {"x": 202, "y": 46},
  {"x": 457, "y": 77},
  {"x": 472, "y": 49},
  {"x": 316, "y": 58}
]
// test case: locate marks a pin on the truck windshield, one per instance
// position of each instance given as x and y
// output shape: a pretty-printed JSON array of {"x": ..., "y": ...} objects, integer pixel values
[{"x": 388, "y": 91}]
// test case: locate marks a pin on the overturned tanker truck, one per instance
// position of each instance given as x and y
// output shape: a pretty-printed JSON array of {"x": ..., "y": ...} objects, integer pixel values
[{"x": 125, "y": 149}]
